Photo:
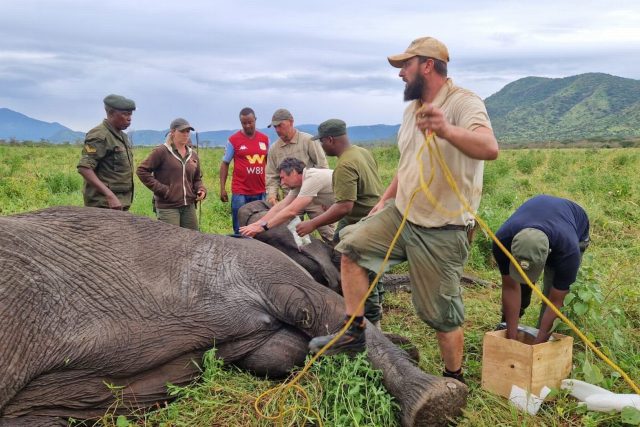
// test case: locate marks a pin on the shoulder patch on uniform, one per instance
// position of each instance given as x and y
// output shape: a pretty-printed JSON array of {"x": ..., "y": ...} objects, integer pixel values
[{"x": 90, "y": 148}]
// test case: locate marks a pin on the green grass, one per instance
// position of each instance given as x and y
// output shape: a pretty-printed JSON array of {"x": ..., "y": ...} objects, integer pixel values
[{"x": 603, "y": 181}]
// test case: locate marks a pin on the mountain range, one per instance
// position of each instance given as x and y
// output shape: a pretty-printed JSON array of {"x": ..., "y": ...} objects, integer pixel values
[
  {"x": 586, "y": 106},
  {"x": 531, "y": 109},
  {"x": 220, "y": 137},
  {"x": 17, "y": 126}
]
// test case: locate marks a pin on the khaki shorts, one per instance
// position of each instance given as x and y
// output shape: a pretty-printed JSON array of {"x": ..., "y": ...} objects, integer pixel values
[{"x": 436, "y": 260}]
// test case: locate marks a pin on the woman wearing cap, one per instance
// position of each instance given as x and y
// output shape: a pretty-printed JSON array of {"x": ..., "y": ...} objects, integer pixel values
[{"x": 172, "y": 172}]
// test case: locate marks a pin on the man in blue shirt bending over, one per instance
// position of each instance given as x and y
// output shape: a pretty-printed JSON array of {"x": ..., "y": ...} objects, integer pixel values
[{"x": 545, "y": 233}]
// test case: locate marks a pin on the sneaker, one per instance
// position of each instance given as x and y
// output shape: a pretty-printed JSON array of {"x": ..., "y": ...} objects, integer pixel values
[
  {"x": 459, "y": 375},
  {"x": 351, "y": 342}
]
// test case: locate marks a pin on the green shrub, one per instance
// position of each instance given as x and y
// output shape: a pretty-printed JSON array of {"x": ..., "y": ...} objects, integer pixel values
[{"x": 63, "y": 183}]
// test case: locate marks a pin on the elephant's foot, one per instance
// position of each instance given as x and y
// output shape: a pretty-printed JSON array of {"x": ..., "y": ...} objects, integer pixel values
[
  {"x": 439, "y": 402},
  {"x": 426, "y": 400}
]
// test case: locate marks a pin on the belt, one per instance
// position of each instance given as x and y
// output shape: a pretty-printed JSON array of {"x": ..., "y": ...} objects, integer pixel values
[{"x": 448, "y": 227}]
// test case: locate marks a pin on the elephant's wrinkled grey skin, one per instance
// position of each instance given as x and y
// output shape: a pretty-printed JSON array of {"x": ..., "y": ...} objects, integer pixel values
[
  {"x": 91, "y": 296},
  {"x": 318, "y": 258}
]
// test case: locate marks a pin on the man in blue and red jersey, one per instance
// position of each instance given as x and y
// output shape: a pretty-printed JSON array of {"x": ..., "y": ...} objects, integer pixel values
[{"x": 248, "y": 149}]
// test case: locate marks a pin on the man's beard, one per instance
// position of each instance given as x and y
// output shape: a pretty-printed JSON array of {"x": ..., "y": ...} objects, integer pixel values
[{"x": 414, "y": 90}]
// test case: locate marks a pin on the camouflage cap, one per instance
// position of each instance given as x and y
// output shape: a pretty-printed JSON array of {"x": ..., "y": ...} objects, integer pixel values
[
  {"x": 331, "y": 127},
  {"x": 119, "y": 102},
  {"x": 279, "y": 116},
  {"x": 424, "y": 46},
  {"x": 180, "y": 124},
  {"x": 530, "y": 247}
]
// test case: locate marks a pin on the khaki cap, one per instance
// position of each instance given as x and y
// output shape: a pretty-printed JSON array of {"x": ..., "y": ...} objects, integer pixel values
[
  {"x": 119, "y": 102},
  {"x": 424, "y": 46},
  {"x": 279, "y": 116},
  {"x": 530, "y": 247}
]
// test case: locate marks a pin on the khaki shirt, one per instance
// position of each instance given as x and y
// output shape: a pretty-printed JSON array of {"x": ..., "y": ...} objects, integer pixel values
[
  {"x": 109, "y": 154},
  {"x": 301, "y": 147},
  {"x": 316, "y": 183},
  {"x": 356, "y": 179},
  {"x": 461, "y": 108}
]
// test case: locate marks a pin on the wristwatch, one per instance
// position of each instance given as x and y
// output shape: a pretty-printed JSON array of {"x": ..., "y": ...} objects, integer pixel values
[{"x": 263, "y": 224}]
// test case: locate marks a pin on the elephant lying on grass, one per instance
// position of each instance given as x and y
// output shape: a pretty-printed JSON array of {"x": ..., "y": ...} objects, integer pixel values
[{"x": 90, "y": 297}]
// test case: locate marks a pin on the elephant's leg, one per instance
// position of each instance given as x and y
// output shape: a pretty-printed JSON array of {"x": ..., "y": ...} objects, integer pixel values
[
  {"x": 426, "y": 400},
  {"x": 277, "y": 355},
  {"x": 84, "y": 394},
  {"x": 33, "y": 421}
]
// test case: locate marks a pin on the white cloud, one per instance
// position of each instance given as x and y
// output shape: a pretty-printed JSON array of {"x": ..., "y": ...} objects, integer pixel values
[{"x": 206, "y": 60}]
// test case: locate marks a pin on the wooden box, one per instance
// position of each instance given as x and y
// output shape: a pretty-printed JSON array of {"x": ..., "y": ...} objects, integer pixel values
[{"x": 516, "y": 362}]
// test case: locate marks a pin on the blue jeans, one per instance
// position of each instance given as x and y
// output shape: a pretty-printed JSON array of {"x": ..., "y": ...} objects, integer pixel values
[{"x": 238, "y": 201}]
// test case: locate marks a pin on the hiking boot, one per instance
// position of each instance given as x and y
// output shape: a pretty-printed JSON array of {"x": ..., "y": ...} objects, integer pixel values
[
  {"x": 458, "y": 375},
  {"x": 351, "y": 342}
]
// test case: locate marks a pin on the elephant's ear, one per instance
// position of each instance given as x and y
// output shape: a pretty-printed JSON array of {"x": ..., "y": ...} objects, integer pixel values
[
  {"x": 252, "y": 211},
  {"x": 321, "y": 254}
]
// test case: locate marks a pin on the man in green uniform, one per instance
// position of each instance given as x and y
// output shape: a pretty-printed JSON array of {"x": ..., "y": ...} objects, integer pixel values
[
  {"x": 357, "y": 188},
  {"x": 107, "y": 158}
]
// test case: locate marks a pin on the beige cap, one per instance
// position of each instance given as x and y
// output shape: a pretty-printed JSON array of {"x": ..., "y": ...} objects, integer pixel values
[{"x": 424, "y": 46}]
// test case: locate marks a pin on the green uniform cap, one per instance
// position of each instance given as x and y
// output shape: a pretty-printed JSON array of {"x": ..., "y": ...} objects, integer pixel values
[
  {"x": 331, "y": 127},
  {"x": 119, "y": 102},
  {"x": 530, "y": 247}
]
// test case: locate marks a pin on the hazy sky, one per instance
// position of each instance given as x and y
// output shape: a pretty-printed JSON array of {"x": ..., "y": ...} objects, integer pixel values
[{"x": 205, "y": 60}]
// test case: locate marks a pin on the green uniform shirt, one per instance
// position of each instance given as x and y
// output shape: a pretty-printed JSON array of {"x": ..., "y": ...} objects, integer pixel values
[
  {"x": 356, "y": 179},
  {"x": 109, "y": 153}
]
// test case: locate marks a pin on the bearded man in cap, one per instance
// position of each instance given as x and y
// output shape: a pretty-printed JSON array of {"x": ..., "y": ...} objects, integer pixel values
[
  {"x": 547, "y": 234},
  {"x": 291, "y": 143},
  {"x": 434, "y": 239},
  {"x": 106, "y": 163}
]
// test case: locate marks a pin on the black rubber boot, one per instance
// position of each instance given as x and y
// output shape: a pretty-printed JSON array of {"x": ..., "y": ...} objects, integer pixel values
[
  {"x": 351, "y": 342},
  {"x": 457, "y": 375}
]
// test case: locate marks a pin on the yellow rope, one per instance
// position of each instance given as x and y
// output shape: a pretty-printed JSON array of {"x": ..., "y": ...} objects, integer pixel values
[{"x": 435, "y": 155}]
